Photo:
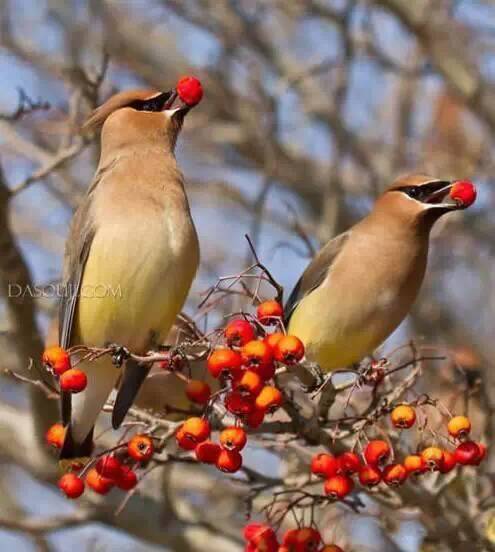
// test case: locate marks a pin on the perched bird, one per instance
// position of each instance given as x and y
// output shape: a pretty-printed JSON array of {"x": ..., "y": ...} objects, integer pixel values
[
  {"x": 131, "y": 254},
  {"x": 362, "y": 284}
]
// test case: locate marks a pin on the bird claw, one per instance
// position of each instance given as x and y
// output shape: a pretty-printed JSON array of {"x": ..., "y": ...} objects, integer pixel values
[{"x": 119, "y": 354}]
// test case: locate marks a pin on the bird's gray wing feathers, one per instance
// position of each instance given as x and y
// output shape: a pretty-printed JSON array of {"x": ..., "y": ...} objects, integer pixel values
[{"x": 315, "y": 273}]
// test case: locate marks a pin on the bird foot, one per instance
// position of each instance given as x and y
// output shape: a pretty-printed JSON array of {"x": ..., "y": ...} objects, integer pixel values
[
  {"x": 319, "y": 379},
  {"x": 119, "y": 354}
]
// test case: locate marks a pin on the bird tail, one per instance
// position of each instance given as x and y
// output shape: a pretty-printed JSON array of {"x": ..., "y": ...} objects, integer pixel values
[{"x": 74, "y": 451}]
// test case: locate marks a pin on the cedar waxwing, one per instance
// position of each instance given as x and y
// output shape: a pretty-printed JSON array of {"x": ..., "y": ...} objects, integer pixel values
[
  {"x": 131, "y": 254},
  {"x": 362, "y": 284}
]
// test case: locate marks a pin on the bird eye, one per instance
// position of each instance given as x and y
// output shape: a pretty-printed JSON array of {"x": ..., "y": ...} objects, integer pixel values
[{"x": 414, "y": 192}]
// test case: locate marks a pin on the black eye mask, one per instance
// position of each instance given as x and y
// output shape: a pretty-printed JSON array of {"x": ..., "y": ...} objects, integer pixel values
[
  {"x": 158, "y": 103},
  {"x": 424, "y": 192}
]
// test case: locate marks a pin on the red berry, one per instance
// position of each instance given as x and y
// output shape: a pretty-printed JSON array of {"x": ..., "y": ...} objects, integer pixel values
[
  {"x": 183, "y": 440},
  {"x": 189, "y": 90},
  {"x": 272, "y": 339},
  {"x": 377, "y": 452},
  {"x": 467, "y": 453},
  {"x": 140, "y": 448},
  {"x": 239, "y": 332},
  {"x": 394, "y": 474},
  {"x": 369, "y": 476},
  {"x": 269, "y": 399},
  {"x": 71, "y": 485},
  {"x": 55, "y": 435},
  {"x": 224, "y": 362},
  {"x": 207, "y": 452},
  {"x": 229, "y": 461},
  {"x": 238, "y": 403},
  {"x": 198, "y": 391},
  {"x": 483, "y": 450},
  {"x": 98, "y": 483},
  {"x": 324, "y": 465},
  {"x": 338, "y": 486},
  {"x": 249, "y": 382},
  {"x": 306, "y": 539},
  {"x": 255, "y": 418},
  {"x": 56, "y": 359},
  {"x": 464, "y": 192},
  {"x": 289, "y": 350},
  {"x": 108, "y": 466},
  {"x": 448, "y": 462},
  {"x": 269, "y": 312},
  {"x": 261, "y": 537},
  {"x": 73, "y": 381},
  {"x": 196, "y": 429},
  {"x": 127, "y": 479},
  {"x": 349, "y": 463},
  {"x": 233, "y": 438}
]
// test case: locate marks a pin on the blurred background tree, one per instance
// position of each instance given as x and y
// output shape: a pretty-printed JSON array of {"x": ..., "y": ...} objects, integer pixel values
[{"x": 312, "y": 107}]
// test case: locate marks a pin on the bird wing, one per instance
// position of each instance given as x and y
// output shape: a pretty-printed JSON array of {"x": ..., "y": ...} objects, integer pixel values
[
  {"x": 81, "y": 234},
  {"x": 315, "y": 273}
]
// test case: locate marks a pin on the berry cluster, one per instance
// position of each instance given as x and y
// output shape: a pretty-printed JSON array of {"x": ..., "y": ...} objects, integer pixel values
[
  {"x": 57, "y": 361},
  {"x": 115, "y": 469},
  {"x": 260, "y": 537},
  {"x": 245, "y": 364},
  {"x": 376, "y": 465}
]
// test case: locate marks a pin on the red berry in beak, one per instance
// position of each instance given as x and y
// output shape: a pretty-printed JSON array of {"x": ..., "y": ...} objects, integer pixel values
[
  {"x": 463, "y": 192},
  {"x": 189, "y": 90}
]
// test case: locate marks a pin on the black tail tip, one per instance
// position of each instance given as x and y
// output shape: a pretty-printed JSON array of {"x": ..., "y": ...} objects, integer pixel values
[{"x": 71, "y": 449}]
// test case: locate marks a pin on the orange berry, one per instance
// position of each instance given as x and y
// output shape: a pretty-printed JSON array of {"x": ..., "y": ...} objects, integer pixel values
[
  {"x": 258, "y": 356},
  {"x": 239, "y": 332},
  {"x": 140, "y": 448},
  {"x": 269, "y": 312},
  {"x": 324, "y": 465},
  {"x": 467, "y": 453},
  {"x": 127, "y": 478},
  {"x": 207, "y": 452},
  {"x": 229, "y": 461},
  {"x": 289, "y": 350},
  {"x": 238, "y": 403},
  {"x": 71, "y": 485},
  {"x": 369, "y": 476},
  {"x": 415, "y": 464},
  {"x": 403, "y": 416},
  {"x": 224, "y": 362},
  {"x": 248, "y": 382},
  {"x": 255, "y": 418},
  {"x": 183, "y": 440},
  {"x": 349, "y": 463},
  {"x": 73, "y": 381},
  {"x": 433, "y": 457},
  {"x": 233, "y": 438},
  {"x": 394, "y": 475},
  {"x": 55, "y": 435},
  {"x": 56, "y": 359},
  {"x": 97, "y": 482},
  {"x": 448, "y": 462},
  {"x": 198, "y": 391},
  {"x": 269, "y": 399},
  {"x": 459, "y": 426},
  {"x": 272, "y": 339},
  {"x": 331, "y": 548},
  {"x": 196, "y": 429},
  {"x": 377, "y": 452},
  {"x": 338, "y": 486},
  {"x": 108, "y": 466}
]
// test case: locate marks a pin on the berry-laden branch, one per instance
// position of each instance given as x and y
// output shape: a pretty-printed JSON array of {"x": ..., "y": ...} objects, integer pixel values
[{"x": 251, "y": 393}]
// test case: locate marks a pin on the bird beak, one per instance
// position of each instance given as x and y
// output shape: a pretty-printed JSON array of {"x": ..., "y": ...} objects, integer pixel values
[
  {"x": 175, "y": 104},
  {"x": 439, "y": 197}
]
